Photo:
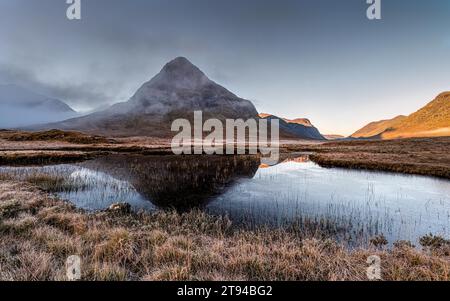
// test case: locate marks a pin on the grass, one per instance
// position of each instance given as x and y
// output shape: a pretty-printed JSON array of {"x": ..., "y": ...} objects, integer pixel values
[
  {"x": 55, "y": 135},
  {"x": 54, "y": 183},
  {"x": 45, "y": 157},
  {"x": 39, "y": 232},
  {"x": 50, "y": 183},
  {"x": 422, "y": 156}
]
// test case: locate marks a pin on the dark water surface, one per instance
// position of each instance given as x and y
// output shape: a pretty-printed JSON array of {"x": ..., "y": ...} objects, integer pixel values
[{"x": 352, "y": 205}]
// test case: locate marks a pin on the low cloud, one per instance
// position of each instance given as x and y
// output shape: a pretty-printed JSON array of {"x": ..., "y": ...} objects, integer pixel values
[{"x": 80, "y": 95}]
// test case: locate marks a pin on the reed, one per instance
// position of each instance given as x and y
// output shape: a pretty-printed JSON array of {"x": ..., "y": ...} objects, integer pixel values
[{"x": 39, "y": 232}]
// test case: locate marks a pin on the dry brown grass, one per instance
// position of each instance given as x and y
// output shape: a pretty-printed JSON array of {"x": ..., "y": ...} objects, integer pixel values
[
  {"x": 423, "y": 156},
  {"x": 55, "y": 135},
  {"x": 55, "y": 147},
  {"x": 39, "y": 232},
  {"x": 23, "y": 158}
]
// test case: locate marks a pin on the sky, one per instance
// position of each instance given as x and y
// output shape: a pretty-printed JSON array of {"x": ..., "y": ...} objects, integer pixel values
[{"x": 319, "y": 59}]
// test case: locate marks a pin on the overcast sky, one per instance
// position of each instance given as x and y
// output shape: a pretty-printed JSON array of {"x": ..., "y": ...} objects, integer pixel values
[{"x": 320, "y": 59}]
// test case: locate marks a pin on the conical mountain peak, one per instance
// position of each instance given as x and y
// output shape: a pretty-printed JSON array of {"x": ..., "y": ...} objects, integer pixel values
[
  {"x": 179, "y": 89},
  {"x": 180, "y": 73},
  {"x": 180, "y": 64}
]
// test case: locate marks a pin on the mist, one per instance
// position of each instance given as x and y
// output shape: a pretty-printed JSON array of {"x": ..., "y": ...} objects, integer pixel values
[
  {"x": 18, "y": 116},
  {"x": 20, "y": 107}
]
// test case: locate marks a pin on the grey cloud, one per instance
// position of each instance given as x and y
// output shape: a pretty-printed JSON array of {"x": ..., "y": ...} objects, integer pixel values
[
  {"x": 283, "y": 53},
  {"x": 82, "y": 95}
]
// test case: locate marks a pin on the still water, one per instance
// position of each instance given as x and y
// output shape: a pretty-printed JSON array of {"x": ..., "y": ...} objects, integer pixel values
[{"x": 351, "y": 205}]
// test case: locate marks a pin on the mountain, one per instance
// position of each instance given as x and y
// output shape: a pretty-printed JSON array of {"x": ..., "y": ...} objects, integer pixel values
[
  {"x": 301, "y": 121},
  {"x": 377, "y": 127},
  {"x": 300, "y": 128},
  {"x": 431, "y": 121},
  {"x": 178, "y": 90},
  {"x": 20, "y": 107},
  {"x": 333, "y": 136}
]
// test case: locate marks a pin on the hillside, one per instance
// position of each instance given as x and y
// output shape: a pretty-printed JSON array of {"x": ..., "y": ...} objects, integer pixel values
[
  {"x": 433, "y": 120},
  {"x": 375, "y": 128}
]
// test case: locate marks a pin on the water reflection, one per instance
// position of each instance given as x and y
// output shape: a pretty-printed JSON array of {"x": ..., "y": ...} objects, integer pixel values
[
  {"x": 178, "y": 182},
  {"x": 352, "y": 205}
]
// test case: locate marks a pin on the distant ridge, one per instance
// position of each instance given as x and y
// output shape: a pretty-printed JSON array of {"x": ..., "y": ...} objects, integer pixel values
[
  {"x": 300, "y": 128},
  {"x": 433, "y": 120},
  {"x": 301, "y": 121},
  {"x": 21, "y": 107},
  {"x": 333, "y": 136}
]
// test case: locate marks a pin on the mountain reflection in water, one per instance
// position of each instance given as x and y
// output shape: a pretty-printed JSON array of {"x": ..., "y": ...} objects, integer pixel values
[{"x": 180, "y": 182}]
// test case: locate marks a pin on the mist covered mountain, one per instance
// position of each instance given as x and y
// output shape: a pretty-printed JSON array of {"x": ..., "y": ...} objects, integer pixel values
[
  {"x": 178, "y": 90},
  {"x": 20, "y": 107}
]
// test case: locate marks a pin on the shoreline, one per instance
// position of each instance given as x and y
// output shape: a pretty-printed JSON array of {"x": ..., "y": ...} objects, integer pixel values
[{"x": 402, "y": 168}]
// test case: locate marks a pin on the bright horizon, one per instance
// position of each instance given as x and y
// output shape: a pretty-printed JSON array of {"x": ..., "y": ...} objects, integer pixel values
[{"x": 316, "y": 59}]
